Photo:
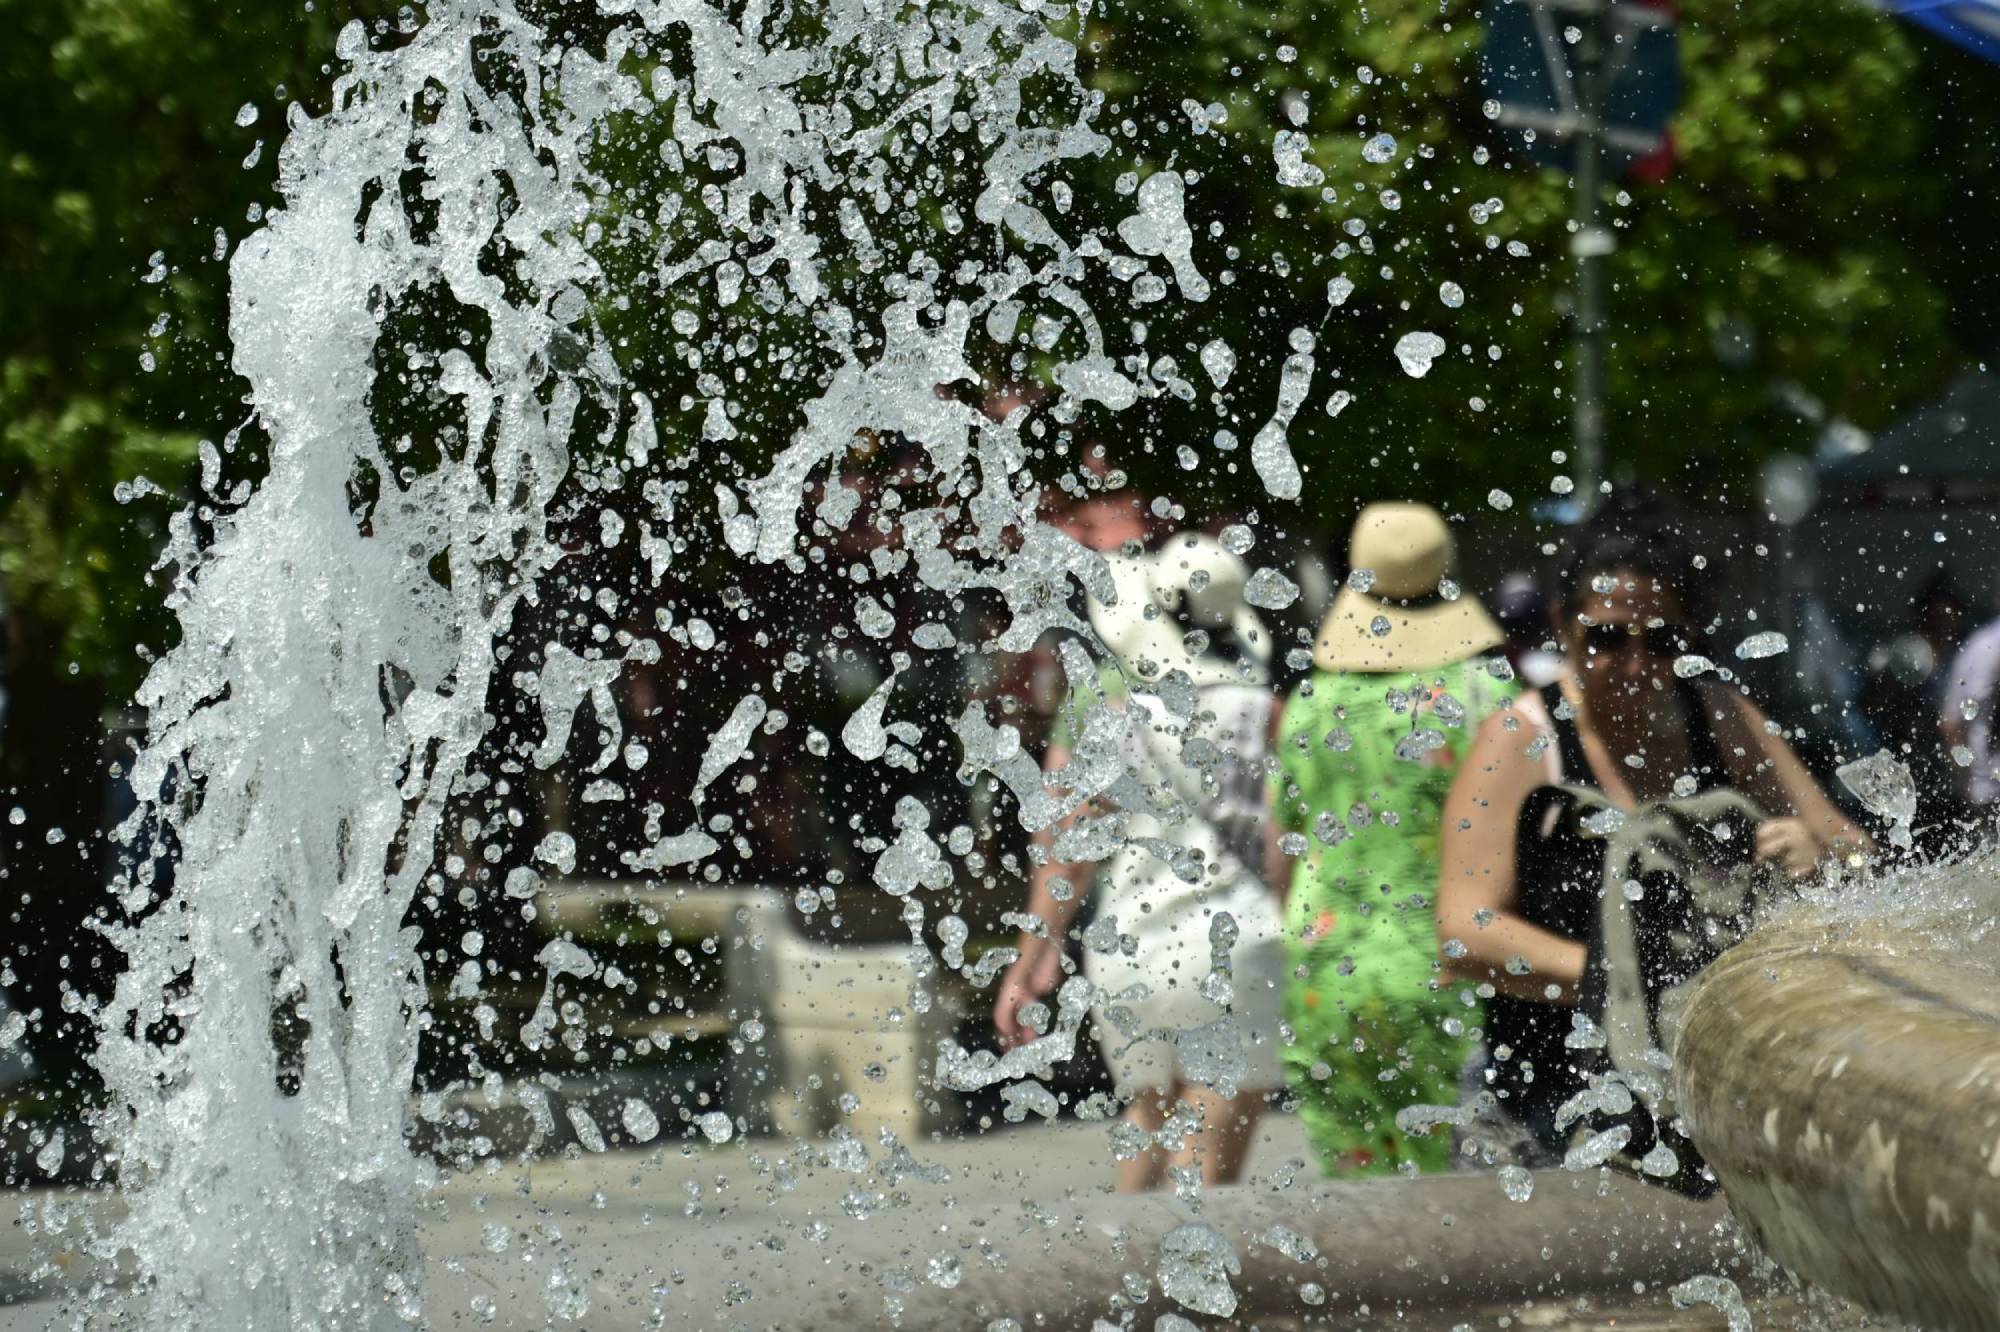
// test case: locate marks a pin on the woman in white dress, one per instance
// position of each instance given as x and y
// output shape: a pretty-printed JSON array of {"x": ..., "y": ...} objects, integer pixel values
[{"x": 1184, "y": 954}]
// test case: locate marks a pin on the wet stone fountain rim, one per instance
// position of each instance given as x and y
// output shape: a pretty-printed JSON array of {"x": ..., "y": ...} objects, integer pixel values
[
  {"x": 1433, "y": 1246},
  {"x": 1842, "y": 1076}
]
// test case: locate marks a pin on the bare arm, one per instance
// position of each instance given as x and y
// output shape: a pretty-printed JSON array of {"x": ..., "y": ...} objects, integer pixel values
[
  {"x": 1764, "y": 765},
  {"x": 1056, "y": 913},
  {"x": 1476, "y": 880},
  {"x": 1277, "y": 865},
  {"x": 1039, "y": 968}
]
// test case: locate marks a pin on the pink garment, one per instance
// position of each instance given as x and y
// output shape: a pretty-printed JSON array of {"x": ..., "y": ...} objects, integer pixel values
[{"x": 1974, "y": 678}]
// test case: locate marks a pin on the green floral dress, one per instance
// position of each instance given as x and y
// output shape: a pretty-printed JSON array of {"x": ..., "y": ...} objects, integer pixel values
[{"x": 1365, "y": 761}]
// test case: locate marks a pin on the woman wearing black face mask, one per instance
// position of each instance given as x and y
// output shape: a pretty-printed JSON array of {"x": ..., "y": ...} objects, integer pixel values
[{"x": 1518, "y": 906}]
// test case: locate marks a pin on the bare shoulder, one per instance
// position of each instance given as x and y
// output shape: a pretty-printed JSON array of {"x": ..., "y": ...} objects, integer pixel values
[{"x": 1505, "y": 744}]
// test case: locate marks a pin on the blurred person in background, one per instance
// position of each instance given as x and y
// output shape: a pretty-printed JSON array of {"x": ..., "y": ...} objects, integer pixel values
[
  {"x": 1523, "y": 611},
  {"x": 1184, "y": 953},
  {"x": 1908, "y": 687},
  {"x": 1366, "y": 751},
  {"x": 1971, "y": 696},
  {"x": 1519, "y": 896}
]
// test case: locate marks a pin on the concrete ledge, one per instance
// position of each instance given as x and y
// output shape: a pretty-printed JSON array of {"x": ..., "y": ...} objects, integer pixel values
[
  {"x": 1377, "y": 1250},
  {"x": 1843, "y": 1080}
]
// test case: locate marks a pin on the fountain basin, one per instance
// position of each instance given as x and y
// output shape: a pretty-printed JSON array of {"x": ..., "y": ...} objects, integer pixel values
[{"x": 1842, "y": 1077}]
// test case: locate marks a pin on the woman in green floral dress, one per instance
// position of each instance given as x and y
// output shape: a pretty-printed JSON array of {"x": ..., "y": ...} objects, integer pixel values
[{"x": 1367, "y": 748}]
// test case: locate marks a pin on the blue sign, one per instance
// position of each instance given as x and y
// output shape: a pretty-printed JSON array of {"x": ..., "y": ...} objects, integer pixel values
[{"x": 1973, "y": 24}]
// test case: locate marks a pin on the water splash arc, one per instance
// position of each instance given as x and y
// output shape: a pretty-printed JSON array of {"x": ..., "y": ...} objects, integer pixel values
[{"x": 336, "y": 663}]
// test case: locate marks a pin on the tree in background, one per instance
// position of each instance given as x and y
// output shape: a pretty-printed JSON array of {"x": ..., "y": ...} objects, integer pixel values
[
  {"x": 1831, "y": 164},
  {"x": 129, "y": 166}
]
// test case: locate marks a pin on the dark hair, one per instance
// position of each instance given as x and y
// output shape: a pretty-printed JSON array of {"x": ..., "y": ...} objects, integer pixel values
[{"x": 1638, "y": 533}]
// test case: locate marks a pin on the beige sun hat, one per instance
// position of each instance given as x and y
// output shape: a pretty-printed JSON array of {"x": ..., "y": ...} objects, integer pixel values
[
  {"x": 1402, "y": 622},
  {"x": 1191, "y": 578}
]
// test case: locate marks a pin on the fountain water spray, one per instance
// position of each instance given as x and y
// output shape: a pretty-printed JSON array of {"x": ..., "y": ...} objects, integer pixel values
[{"x": 339, "y": 628}]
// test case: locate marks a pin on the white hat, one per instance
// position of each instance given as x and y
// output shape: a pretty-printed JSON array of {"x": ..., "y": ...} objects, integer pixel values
[
  {"x": 1402, "y": 622},
  {"x": 1193, "y": 579}
]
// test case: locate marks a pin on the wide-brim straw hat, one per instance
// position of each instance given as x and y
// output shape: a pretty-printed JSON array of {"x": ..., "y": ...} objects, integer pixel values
[
  {"x": 1192, "y": 577},
  {"x": 1403, "y": 622}
]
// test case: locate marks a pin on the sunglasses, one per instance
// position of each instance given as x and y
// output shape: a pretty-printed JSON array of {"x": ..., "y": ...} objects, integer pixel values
[{"x": 1661, "y": 640}]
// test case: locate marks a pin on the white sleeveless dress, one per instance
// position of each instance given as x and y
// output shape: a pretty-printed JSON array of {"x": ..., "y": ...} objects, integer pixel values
[{"x": 1186, "y": 894}]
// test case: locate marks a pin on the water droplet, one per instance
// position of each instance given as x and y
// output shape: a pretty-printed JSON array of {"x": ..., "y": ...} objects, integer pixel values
[
  {"x": 1361, "y": 580},
  {"x": 1416, "y": 351},
  {"x": 1490, "y": 108},
  {"x": 1379, "y": 626},
  {"x": 1598, "y": 1148},
  {"x": 246, "y": 115},
  {"x": 1518, "y": 1184},
  {"x": 1270, "y": 590},
  {"x": 1196, "y": 1262},
  {"x": 641, "y": 1124},
  {"x": 1219, "y": 361},
  {"x": 1379, "y": 149},
  {"x": 1768, "y": 643},
  {"x": 1237, "y": 539},
  {"x": 558, "y": 849},
  {"x": 1391, "y": 200},
  {"x": 1603, "y": 822},
  {"x": 1718, "y": 1291},
  {"x": 1338, "y": 289},
  {"x": 1500, "y": 499},
  {"x": 716, "y": 1126},
  {"x": 1883, "y": 783},
  {"x": 1414, "y": 745},
  {"x": 1692, "y": 664},
  {"x": 1451, "y": 294}
]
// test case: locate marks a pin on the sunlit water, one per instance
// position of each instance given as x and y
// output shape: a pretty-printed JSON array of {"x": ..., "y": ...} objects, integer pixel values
[{"x": 339, "y": 626}]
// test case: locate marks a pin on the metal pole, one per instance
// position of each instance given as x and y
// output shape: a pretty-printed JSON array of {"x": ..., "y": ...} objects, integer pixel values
[{"x": 1589, "y": 243}]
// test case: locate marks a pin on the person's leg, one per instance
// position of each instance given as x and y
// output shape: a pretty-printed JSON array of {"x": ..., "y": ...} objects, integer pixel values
[
  {"x": 1148, "y": 1170},
  {"x": 1228, "y": 1124}
]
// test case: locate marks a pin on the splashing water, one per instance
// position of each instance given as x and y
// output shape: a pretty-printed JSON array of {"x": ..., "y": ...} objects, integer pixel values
[{"x": 339, "y": 629}]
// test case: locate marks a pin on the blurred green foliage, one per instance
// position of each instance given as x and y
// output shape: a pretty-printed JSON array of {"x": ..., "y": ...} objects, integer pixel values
[
  {"x": 1819, "y": 237},
  {"x": 123, "y": 174},
  {"x": 1823, "y": 236}
]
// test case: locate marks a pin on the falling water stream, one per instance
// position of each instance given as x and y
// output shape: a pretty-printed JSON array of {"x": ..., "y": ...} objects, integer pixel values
[{"x": 340, "y": 626}]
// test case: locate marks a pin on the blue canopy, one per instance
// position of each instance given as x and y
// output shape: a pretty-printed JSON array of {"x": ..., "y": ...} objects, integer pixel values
[{"x": 1973, "y": 24}]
